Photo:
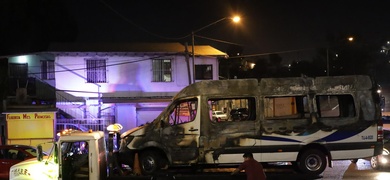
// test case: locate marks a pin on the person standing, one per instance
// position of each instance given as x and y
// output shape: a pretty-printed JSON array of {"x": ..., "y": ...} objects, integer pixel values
[{"x": 253, "y": 169}]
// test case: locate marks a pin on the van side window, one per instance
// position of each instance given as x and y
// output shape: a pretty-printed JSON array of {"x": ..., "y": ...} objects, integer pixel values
[
  {"x": 232, "y": 109},
  {"x": 335, "y": 106},
  {"x": 183, "y": 112},
  {"x": 290, "y": 107}
]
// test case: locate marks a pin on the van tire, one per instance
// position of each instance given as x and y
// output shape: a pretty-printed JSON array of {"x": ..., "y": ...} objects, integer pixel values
[
  {"x": 312, "y": 162},
  {"x": 374, "y": 162},
  {"x": 150, "y": 162}
]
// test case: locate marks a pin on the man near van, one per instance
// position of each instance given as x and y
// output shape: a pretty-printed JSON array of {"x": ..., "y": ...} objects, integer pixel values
[{"x": 253, "y": 169}]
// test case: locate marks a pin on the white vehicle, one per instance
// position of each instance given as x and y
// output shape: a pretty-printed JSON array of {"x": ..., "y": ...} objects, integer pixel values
[
  {"x": 303, "y": 120},
  {"x": 219, "y": 115},
  {"x": 306, "y": 121},
  {"x": 76, "y": 155}
]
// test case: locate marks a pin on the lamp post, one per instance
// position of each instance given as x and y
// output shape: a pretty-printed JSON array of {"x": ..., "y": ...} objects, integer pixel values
[
  {"x": 350, "y": 39},
  {"x": 235, "y": 19}
]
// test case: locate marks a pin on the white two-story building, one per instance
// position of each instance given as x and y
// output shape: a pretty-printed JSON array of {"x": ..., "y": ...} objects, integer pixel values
[{"x": 100, "y": 84}]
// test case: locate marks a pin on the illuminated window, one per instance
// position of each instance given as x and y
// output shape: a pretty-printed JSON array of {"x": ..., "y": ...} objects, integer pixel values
[
  {"x": 96, "y": 70},
  {"x": 162, "y": 71},
  {"x": 47, "y": 69},
  {"x": 18, "y": 70},
  {"x": 204, "y": 71}
]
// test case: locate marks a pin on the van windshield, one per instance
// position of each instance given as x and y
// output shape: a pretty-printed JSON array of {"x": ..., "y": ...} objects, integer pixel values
[{"x": 183, "y": 111}]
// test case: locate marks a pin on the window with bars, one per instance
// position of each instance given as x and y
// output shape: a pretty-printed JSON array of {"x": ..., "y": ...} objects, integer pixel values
[
  {"x": 204, "y": 72},
  {"x": 47, "y": 69},
  {"x": 162, "y": 71},
  {"x": 96, "y": 70},
  {"x": 18, "y": 70}
]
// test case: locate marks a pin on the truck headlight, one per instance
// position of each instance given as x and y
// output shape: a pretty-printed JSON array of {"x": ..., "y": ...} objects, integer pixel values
[{"x": 385, "y": 151}]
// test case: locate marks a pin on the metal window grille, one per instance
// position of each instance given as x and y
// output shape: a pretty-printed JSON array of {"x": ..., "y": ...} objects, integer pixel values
[
  {"x": 18, "y": 70},
  {"x": 96, "y": 70},
  {"x": 162, "y": 71},
  {"x": 47, "y": 69}
]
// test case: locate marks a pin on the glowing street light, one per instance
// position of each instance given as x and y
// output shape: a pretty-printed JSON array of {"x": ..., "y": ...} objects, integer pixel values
[{"x": 235, "y": 19}]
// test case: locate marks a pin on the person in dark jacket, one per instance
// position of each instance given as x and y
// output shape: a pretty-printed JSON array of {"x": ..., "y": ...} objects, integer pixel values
[{"x": 253, "y": 169}]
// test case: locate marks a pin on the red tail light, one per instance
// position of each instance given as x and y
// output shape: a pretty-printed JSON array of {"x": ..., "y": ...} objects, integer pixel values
[{"x": 380, "y": 131}]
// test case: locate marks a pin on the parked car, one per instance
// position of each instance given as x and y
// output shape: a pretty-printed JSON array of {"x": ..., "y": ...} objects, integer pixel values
[
  {"x": 383, "y": 160},
  {"x": 219, "y": 115},
  {"x": 13, "y": 154},
  {"x": 239, "y": 114}
]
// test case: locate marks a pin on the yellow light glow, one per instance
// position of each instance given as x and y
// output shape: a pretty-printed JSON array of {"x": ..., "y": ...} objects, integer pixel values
[
  {"x": 114, "y": 127},
  {"x": 236, "y": 19},
  {"x": 252, "y": 65},
  {"x": 350, "y": 39}
]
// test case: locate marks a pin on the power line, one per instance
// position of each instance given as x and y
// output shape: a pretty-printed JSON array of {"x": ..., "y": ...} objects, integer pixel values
[
  {"x": 217, "y": 40},
  {"x": 265, "y": 54}
]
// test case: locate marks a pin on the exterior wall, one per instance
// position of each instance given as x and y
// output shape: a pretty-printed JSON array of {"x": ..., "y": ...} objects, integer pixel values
[
  {"x": 208, "y": 60},
  {"x": 125, "y": 115},
  {"x": 127, "y": 76},
  {"x": 34, "y": 64}
]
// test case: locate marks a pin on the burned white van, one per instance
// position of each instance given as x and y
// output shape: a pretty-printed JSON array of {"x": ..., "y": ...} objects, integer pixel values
[{"x": 303, "y": 120}]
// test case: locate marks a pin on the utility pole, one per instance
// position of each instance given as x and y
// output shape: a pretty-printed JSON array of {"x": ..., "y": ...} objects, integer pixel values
[{"x": 187, "y": 56}]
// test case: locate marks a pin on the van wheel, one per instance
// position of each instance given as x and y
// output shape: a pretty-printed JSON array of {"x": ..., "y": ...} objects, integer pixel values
[
  {"x": 150, "y": 162},
  {"x": 312, "y": 162},
  {"x": 374, "y": 163}
]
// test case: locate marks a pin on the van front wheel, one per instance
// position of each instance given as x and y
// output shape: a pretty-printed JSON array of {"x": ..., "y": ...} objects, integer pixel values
[
  {"x": 150, "y": 162},
  {"x": 312, "y": 162}
]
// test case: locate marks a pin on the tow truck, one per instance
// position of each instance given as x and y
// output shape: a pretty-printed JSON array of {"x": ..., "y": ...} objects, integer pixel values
[{"x": 76, "y": 155}]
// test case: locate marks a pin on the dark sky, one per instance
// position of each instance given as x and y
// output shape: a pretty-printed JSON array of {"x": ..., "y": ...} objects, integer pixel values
[{"x": 266, "y": 26}]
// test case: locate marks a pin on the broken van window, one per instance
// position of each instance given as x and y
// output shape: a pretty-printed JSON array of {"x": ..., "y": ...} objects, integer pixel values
[
  {"x": 286, "y": 107},
  {"x": 335, "y": 106},
  {"x": 183, "y": 112},
  {"x": 232, "y": 109}
]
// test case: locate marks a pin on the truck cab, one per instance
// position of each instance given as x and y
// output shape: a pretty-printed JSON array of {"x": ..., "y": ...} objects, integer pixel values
[{"x": 76, "y": 155}]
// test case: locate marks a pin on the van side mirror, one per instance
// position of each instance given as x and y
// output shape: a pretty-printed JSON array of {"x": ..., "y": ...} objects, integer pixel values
[{"x": 40, "y": 153}]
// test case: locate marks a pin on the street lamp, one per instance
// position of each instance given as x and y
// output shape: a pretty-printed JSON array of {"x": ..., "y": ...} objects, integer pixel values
[
  {"x": 235, "y": 19},
  {"x": 350, "y": 39}
]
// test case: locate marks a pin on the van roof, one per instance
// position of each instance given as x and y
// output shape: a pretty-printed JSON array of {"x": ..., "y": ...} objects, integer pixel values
[{"x": 278, "y": 86}]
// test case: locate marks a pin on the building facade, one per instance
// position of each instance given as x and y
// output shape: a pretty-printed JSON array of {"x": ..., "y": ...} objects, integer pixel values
[{"x": 93, "y": 85}]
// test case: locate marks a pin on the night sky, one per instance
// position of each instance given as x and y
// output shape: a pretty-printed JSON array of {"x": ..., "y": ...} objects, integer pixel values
[{"x": 266, "y": 26}]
